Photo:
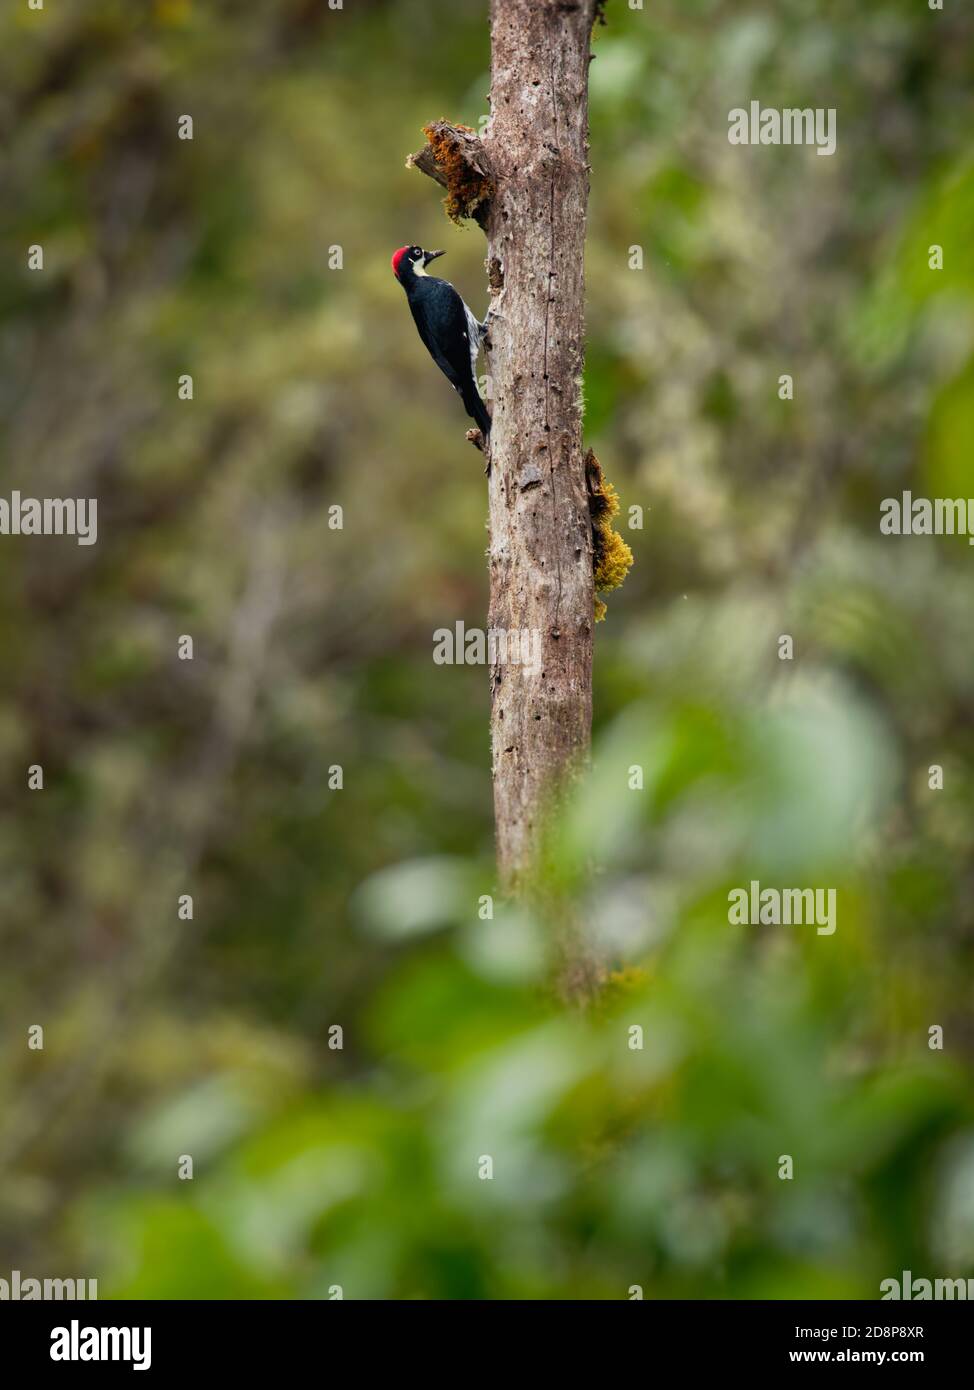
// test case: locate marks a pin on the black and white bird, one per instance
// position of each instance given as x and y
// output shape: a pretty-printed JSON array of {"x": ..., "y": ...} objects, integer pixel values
[{"x": 448, "y": 328}]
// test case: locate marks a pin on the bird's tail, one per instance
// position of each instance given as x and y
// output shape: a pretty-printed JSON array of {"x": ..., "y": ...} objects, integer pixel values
[{"x": 476, "y": 409}]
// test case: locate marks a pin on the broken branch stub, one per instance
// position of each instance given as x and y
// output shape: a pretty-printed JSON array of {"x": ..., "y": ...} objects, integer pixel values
[{"x": 454, "y": 157}]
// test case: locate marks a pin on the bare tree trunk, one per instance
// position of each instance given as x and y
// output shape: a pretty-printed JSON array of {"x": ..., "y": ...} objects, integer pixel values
[
  {"x": 526, "y": 184},
  {"x": 540, "y": 532}
]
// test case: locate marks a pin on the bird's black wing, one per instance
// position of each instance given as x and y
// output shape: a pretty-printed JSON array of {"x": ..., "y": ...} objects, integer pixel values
[{"x": 443, "y": 328}]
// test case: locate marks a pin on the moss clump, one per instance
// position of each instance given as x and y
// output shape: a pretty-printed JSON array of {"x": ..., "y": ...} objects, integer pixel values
[
  {"x": 611, "y": 557},
  {"x": 466, "y": 189}
]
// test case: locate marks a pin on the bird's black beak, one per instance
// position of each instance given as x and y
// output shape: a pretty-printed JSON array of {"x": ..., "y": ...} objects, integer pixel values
[{"x": 431, "y": 256}]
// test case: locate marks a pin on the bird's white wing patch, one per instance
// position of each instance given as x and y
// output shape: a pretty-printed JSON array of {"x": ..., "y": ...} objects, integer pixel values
[{"x": 473, "y": 333}]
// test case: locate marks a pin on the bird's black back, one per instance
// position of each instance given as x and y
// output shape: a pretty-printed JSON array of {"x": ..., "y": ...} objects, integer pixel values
[{"x": 441, "y": 319}]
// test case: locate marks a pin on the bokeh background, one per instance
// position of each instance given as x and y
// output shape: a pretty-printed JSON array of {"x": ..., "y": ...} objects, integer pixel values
[{"x": 317, "y": 907}]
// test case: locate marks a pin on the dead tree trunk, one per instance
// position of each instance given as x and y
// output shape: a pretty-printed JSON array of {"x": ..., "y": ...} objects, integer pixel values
[{"x": 526, "y": 183}]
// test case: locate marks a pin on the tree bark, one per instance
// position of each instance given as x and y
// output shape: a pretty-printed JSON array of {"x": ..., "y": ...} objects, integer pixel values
[
  {"x": 534, "y": 208},
  {"x": 540, "y": 532}
]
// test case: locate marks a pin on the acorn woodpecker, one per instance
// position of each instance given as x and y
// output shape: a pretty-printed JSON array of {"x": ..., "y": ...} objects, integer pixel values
[{"x": 447, "y": 327}]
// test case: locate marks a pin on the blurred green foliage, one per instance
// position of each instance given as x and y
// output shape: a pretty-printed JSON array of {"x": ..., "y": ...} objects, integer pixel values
[{"x": 358, "y": 907}]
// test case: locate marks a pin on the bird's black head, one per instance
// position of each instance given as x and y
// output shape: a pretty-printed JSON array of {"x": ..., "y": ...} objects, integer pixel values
[{"x": 410, "y": 261}]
